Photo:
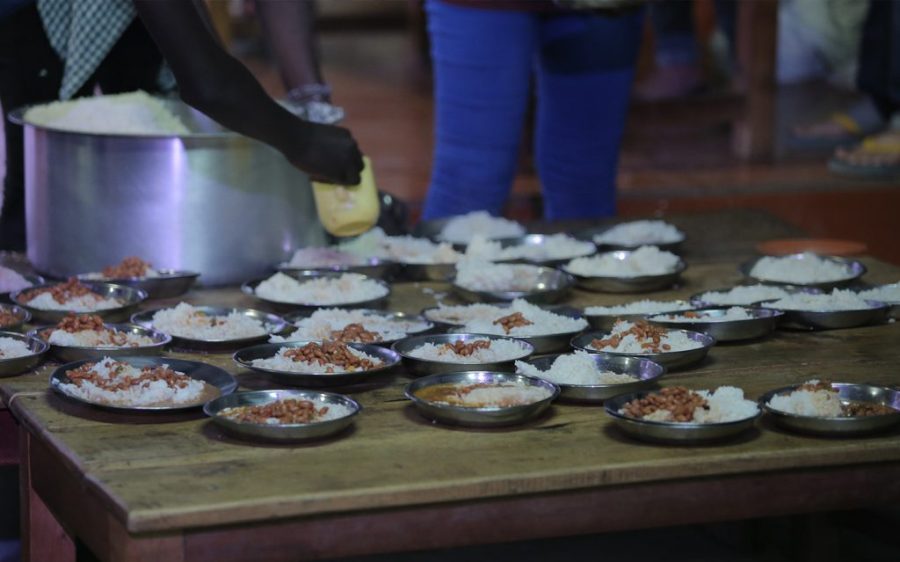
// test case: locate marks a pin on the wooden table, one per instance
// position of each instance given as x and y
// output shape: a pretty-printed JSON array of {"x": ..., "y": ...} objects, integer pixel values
[{"x": 176, "y": 488}]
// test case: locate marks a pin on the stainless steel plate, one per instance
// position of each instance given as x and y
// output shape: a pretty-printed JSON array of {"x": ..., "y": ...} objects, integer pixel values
[
  {"x": 420, "y": 367},
  {"x": 672, "y": 432},
  {"x": 638, "y": 284},
  {"x": 16, "y": 365},
  {"x": 646, "y": 371},
  {"x": 398, "y": 317},
  {"x": 128, "y": 296},
  {"x": 282, "y": 432},
  {"x": 894, "y": 304},
  {"x": 537, "y": 243},
  {"x": 273, "y": 324},
  {"x": 698, "y": 300},
  {"x": 606, "y": 321},
  {"x": 246, "y": 356},
  {"x": 249, "y": 288},
  {"x": 376, "y": 268},
  {"x": 21, "y": 315},
  {"x": 219, "y": 378},
  {"x": 669, "y": 359},
  {"x": 35, "y": 280},
  {"x": 763, "y": 322},
  {"x": 842, "y": 426},
  {"x": 551, "y": 285},
  {"x": 76, "y": 353},
  {"x": 589, "y": 234},
  {"x": 855, "y": 270},
  {"x": 170, "y": 283},
  {"x": 833, "y": 319},
  {"x": 432, "y": 229},
  {"x": 480, "y": 417}
]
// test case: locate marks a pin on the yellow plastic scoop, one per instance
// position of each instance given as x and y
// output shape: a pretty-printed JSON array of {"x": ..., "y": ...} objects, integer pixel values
[{"x": 348, "y": 210}]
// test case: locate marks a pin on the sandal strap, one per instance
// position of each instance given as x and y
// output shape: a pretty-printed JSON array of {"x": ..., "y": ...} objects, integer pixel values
[{"x": 847, "y": 122}]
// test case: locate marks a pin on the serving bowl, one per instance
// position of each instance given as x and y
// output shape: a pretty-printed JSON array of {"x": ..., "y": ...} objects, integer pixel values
[
  {"x": 128, "y": 296},
  {"x": 16, "y": 365},
  {"x": 635, "y": 284},
  {"x": 646, "y": 371},
  {"x": 170, "y": 282},
  {"x": 420, "y": 367},
  {"x": 855, "y": 270},
  {"x": 669, "y": 359},
  {"x": 249, "y": 288},
  {"x": 479, "y": 416},
  {"x": 69, "y": 353},
  {"x": 272, "y": 323},
  {"x": 762, "y": 322},
  {"x": 550, "y": 286}
]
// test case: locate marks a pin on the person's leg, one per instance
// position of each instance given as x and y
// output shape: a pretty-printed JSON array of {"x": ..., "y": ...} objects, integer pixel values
[
  {"x": 585, "y": 74},
  {"x": 483, "y": 61},
  {"x": 677, "y": 71}
]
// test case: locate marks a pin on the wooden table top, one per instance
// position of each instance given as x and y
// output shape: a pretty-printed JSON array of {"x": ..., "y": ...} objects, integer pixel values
[{"x": 162, "y": 473}]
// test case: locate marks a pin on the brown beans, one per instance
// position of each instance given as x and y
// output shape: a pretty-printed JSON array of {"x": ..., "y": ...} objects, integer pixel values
[
  {"x": 285, "y": 411},
  {"x": 354, "y": 333},
  {"x": 62, "y": 292},
  {"x": 647, "y": 334},
  {"x": 464, "y": 349},
  {"x": 513, "y": 320},
  {"x": 131, "y": 266},
  {"x": 329, "y": 353},
  {"x": 678, "y": 400}
]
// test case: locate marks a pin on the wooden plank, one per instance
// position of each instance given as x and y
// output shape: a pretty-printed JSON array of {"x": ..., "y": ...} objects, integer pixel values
[
  {"x": 43, "y": 539},
  {"x": 754, "y": 135}
]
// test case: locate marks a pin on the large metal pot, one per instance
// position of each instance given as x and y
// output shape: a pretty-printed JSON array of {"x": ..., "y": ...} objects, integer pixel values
[{"x": 212, "y": 201}]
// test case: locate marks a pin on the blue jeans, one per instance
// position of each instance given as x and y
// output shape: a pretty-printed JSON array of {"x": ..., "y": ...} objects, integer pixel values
[{"x": 484, "y": 60}]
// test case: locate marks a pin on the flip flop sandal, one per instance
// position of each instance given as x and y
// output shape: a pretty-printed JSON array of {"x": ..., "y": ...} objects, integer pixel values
[
  {"x": 852, "y": 132},
  {"x": 871, "y": 145}
]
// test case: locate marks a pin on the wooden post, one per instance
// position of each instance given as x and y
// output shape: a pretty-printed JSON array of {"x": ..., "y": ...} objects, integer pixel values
[
  {"x": 757, "y": 38},
  {"x": 43, "y": 539}
]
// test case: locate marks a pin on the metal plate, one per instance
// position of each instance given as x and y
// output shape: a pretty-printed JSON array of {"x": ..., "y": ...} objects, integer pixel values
[
  {"x": 480, "y": 417},
  {"x": 538, "y": 241},
  {"x": 894, "y": 304},
  {"x": 762, "y": 323},
  {"x": 398, "y": 317},
  {"x": 249, "y": 288},
  {"x": 432, "y": 229},
  {"x": 282, "y": 432},
  {"x": 69, "y": 353},
  {"x": 589, "y": 234},
  {"x": 672, "y": 432},
  {"x": 16, "y": 365},
  {"x": 839, "y": 426},
  {"x": 670, "y": 359},
  {"x": 170, "y": 283},
  {"x": 427, "y": 271},
  {"x": 697, "y": 298},
  {"x": 377, "y": 268},
  {"x": 833, "y": 319},
  {"x": 856, "y": 269},
  {"x": 22, "y": 317},
  {"x": 35, "y": 280},
  {"x": 606, "y": 321},
  {"x": 210, "y": 374},
  {"x": 273, "y": 324},
  {"x": 420, "y": 367},
  {"x": 551, "y": 286},
  {"x": 246, "y": 356},
  {"x": 638, "y": 284},
  {"x": 128, "y": 296},
  {"x": 647, "y": 371}
]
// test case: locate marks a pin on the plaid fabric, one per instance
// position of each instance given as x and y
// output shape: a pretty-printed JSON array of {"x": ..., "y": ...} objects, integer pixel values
[{"x": 82, "y": 32}]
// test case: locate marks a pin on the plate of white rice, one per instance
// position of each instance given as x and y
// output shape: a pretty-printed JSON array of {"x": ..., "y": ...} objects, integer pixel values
[
  {"x": 319, "y": 289},
  {"x": 889, "y": 294},
  {"x": 211, "y": 328},
  {"x": 841, "y": 308},
  {"x": 805, "y": 269},
  {"x": 725, "y": 324},
  {"x": 682, "y": 416},
  {"x": 335, "y": 259},
  {"x": 833, "y": 408},
  {"x": 671, "y": 348},
  {"x": 603, "y": 317},
  {"x": 78, "y": 337},
  {"x": 542, "y": 249},
  {"x": 443, "y": 353},
  {"x": 135, "y": 384},
  {"x": 355, "y": 325},
  {"x": 591, "y": 377},
  {"x": 630, "y": 235},
  {"x": 51, "y": 302},
  {"x": 746, "y": 295},
  {"x": 461, "y": 229},
  {"x": 140, "y": 274},
  {"x": 400, "y": 249},
  {"x": 646, "y": 269},
  {"x": 478, "y": 281},
  {"x": 19, "y": 353}
]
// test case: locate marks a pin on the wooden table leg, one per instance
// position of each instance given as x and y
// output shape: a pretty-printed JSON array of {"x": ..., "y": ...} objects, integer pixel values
[
  {"x": 43, "y": 539},
  {"x": 757, "y": 38}
]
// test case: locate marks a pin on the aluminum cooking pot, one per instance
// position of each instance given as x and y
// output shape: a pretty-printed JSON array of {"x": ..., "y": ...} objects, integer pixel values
[{"x": 211, "y": 201}]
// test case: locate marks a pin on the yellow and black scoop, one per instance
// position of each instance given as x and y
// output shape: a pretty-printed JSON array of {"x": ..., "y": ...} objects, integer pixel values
[{"x": 348, "y": 210}]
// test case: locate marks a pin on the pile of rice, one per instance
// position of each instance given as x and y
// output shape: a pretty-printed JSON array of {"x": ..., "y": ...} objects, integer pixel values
[
  {"x": 885, "y": 293},
  {"x": 802, "y": 268},
  {"x": 744, "y": 295},
  {"x": 134, "y": 113},
  {"x": 134, "y": 391},
  {"x": 348, "y": 288},
  {"x": 478, "y": 275},
  {"x": 492, "y": 395},
  {"x": 90, "y": 302},
  {"x": 11, "y": 280},
  {"x": 728, "y": 315},
  {"x": 11, "y": 348},
  {"x": 312, "y": 258},
  {"x": 640, "y": 233},
  {"x": 279, "y": 362},
  {"x": 803, "y": 402},
  {"x": 553, "y": 247},
  {"x": 579, "y": 369},
  {"x": 639, "y": 307},
  {"x": 98, "y": 338},
  {"x": 498, "y": 350},
  {"x": 321, "y": 323},
  {"x": 187, "y": 321},
  {"x": 543, "y": 322},
  {"x": 462, "y": 228},
  {"x": 646, "y": 260},
  {"x": 632, "y": 344},
  {"x": 724, "y": 404},
  {"x": 403, "y": 249},
  {"x": 462, "y": 314},
  {"x": 838, "y": 299}
]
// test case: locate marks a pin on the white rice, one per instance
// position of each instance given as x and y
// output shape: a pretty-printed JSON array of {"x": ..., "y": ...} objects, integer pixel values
[
  {"x": 631, "y": 344},
  {"x": 499, "y": 350},
  {"x": 90, "y": 302},
  {"x": 11, "y": 280},
  {"x": 838, "y": 299},
  {"x": 498, "y": 395},
  {"x": 324, "y": 291},
  {"x": 646, "y": 260},
  {"x": 807, "y": 268},
  {"x": 802, "y": 402},
  {"x": 885, "y": 293},
  {"x": 147, "y": 393},
  {"x": 724, "y": 404},
  {"x": 279, "y": 362},
  {"x": 578, "y": 369},
  {"x": 639, "y": 233},
  {"x": 727, "y": 315},
  {"x": 323, "y": 257},
  {"x": 462, "y": 314},
  {"x": 98, "y": 275},
  {"x": 744, "y": 294},
  {"x": 639, "y": 307},
  {"x": 462, "y": 228},
  {"x": 97, "y": 338},
  {"x": 403, "y": 249},
  {"x": 187, "y": 321},
  {"x": 134, "y": 113},
  {"x": 11, "y": 348},
  {"x": 321, "y": 323},
  {"x": 553, "y": 247},
  {"x": 543, "y": 321},
  {"x": 478, "y": 275}
]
